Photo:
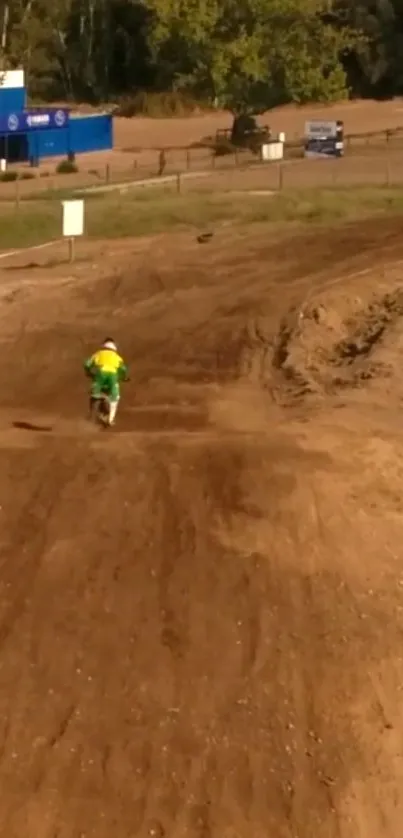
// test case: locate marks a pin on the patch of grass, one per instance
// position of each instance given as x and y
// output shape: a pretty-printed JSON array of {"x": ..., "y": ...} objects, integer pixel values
[
  {"x": 150, "y": 211},
  {"x": 8, "y": 177},
  {"x": 324, "y": 206},
  {"x": 147, "y": 217},
  {"x": 29, "y": 225},
  {"x": 51, "y": 195},
  {"x": 66, "y": 167},
  {"x": 147, "y": 212}
]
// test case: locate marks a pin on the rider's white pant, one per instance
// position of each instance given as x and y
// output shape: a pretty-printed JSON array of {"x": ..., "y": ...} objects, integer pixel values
[{"x": 113, "y": 406}]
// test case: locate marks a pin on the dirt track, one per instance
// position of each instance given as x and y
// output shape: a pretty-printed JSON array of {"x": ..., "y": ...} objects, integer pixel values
[
  {"x": 359, "y": 116},
  {"x": 201, "y": 615}
]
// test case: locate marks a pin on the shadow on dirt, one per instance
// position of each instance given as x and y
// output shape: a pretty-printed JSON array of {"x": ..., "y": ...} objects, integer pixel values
[
  {"x": 29, "y": 426},
  {"x": 50, "y": 263}
]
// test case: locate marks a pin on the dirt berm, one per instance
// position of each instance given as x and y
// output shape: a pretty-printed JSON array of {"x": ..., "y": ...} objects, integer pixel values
[{"x": 201, "y": 612}]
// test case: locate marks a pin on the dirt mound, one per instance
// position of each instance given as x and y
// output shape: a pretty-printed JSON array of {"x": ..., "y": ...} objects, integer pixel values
[
  {"x": 200, "y": 614},
  {"x": 323, "y": 347}
]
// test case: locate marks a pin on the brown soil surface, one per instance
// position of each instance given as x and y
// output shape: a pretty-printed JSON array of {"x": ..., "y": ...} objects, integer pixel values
[
  {"x": 201, "y": 612},
  {"x": 359, "y": 117}
]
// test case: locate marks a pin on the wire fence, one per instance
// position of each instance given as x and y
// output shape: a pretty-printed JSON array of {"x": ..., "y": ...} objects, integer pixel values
[
  {"x": 374, "y": 159},
  {"x": 366, "y": 171}
]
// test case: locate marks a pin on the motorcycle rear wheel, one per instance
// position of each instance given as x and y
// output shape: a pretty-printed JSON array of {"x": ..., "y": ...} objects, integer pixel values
[{"x": 100, "y": 411}]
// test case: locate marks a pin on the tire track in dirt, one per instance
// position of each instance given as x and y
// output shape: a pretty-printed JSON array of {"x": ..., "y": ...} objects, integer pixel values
[{"x": 195, "y": 647}]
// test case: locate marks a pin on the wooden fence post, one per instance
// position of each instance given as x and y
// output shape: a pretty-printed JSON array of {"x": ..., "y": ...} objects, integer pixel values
[
  {"x": 334, "y": 172},
  {"x": 17, "y": 192},
  {"x": 162, "y": 162}
]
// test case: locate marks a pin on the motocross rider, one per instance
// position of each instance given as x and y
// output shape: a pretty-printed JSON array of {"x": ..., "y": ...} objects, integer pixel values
[{"x": 107, "y": 369}]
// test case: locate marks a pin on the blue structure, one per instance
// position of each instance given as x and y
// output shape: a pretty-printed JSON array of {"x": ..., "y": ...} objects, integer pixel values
[
  {"x": 77, "y": 134},
  {"x": 34, "y": 133}
]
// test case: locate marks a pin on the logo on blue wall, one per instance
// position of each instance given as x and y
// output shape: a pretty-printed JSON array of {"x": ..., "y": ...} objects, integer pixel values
[
  {"x": 38, "y": 120},
  {"x": 13, "y": 122},
  {"x": 60, "y": 118}
]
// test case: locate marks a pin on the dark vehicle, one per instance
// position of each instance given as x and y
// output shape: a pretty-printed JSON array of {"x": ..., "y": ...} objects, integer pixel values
[{"x": 245, "y": 133}]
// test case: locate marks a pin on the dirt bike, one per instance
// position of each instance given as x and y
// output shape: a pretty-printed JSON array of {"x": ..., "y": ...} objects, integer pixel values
[{"x": 100, "y": 408}]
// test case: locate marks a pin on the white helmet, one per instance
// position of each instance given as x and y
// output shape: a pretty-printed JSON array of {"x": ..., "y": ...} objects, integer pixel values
[{"x": 110, "y": 344}]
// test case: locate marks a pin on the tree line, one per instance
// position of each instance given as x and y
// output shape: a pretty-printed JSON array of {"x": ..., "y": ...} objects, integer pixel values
[{"x": 245, "y": 55}]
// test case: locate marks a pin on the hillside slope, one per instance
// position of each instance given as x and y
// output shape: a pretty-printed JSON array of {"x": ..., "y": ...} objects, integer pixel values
[{"x": 201, "y": 612}]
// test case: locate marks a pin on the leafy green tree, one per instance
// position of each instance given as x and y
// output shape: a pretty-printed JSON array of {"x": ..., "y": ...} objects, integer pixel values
[
  {"x": 250, "y": 54},
  {"x": 26, "y": 37},
  {"x": 375, "y": 66},
  {"x": 247, "y": 55}
]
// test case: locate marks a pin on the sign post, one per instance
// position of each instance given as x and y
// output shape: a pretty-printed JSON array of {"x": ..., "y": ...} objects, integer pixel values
[{"x": 73, "y": 223}]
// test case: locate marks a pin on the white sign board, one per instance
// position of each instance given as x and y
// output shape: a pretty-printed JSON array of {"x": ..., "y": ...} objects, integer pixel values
[
  {"x": 73, "y": 218},
  {"x": 272, "y": 151},
  {"x": 321, "y": 128},
  {"x": 12, "y": 79}
]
